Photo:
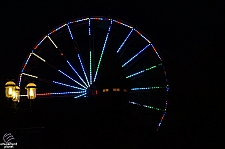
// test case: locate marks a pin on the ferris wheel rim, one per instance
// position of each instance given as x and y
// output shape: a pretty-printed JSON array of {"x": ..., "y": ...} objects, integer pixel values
[{"x": 89, "y": 18}]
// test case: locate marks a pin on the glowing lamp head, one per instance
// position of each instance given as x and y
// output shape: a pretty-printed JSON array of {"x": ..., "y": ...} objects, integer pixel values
[
  {"x": 16, "y": 96},
  {"x": 10, "y": 87},
  {"x": 31, "y": 90}
]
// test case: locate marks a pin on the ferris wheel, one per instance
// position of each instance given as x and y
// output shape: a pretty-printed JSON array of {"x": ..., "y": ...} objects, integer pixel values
[{"x": 74, "y": 57}]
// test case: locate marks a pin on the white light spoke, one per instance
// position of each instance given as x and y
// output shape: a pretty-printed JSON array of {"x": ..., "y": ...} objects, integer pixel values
[
  {"x": 52, "y": 42},
  {"x": 38, "y": 57},
  {"x": 29, "y": 75}
]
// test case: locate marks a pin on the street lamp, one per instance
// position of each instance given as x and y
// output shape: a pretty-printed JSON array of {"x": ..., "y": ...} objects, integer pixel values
[
  {"x": 10, "y": 87},
  {"x": 31, "y": 90}
]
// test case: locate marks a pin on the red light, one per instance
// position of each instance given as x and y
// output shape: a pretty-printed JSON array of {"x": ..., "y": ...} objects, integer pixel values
[
  {"x": 24, "y": 66},
  {"x": 53, "y": 31},
  {"x": 36, "y": 47},
  {"x": 138, "y": 32}
]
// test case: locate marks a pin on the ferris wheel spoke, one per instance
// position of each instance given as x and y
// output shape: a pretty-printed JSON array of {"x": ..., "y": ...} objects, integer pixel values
[
  {"x": 71, "y": 35},
  {"x": 125, "y": 40},
  {"x": 52, "y": 42},
  {"x": 39, "y": 57},
  {"x": 146, "y": 106},
  {"x": 66, "y": 85},
  {"x": 71, "y": 78},
  {"x": 145, "y": 89},
  {"x": 59, "y": 94},
  {"x": 77, "y": 73},
  {"x": 142, "y": 71},
  {"x": 61, "y": 84},
  {"x": 90, "y": 69},
  {"x": 100, "y": 59},
  {"x": 42, "y": 59},
  {"x": 91, "y": 44},
  {"x": 89, "y": 26},
  {"x": 83, "y": 69},
  {"x": 136, "y": 55},
  {"x": 81, "y": 95},
  {"x": 29, "y": 75},
  {"x": 65, "y": 93}
]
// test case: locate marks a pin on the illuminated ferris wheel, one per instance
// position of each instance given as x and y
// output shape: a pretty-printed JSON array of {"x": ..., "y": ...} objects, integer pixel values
[{"x": 72, "y": 59}]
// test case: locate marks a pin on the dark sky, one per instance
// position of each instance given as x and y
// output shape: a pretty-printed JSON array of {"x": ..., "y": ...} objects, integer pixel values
[{"x": 190, "y": 35}]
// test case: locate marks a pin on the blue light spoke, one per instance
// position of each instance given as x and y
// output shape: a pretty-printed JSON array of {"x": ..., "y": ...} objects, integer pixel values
[
  {"x": 124, "y": 41},
  {"x": 71, "y": 78},
  {"x": 135, "y": 74},
  {"x": 147, "y": 69},
  {"x": 77, "y": 73},
  {"x": 71, "y": 35},
  {"x": 65, "y": 93},
  {"x": 83, "y": 69},
  {"x": 89, "y": 27},
  {"x": 146, "y": 88},
  {"x": 90, "y": 69},
  {"x": 106, "y": 39},
  {"x": 68, "y": 85},
  {"x": 138, "y": 89},
  {"x": 80, "y": 95},
  {"x": 135, "y": 55}
]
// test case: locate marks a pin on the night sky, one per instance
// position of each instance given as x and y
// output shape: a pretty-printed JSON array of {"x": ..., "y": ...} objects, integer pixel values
[{"x": 190, "y": 36}]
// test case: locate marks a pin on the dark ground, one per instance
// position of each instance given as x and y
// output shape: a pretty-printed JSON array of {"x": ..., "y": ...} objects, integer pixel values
[{"x": 190, "y": 35}]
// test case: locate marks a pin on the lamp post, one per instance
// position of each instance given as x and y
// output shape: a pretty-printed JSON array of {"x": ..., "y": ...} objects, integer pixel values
[
  {"x": 13, "y": 92},
  {"x": 16, "y": 97}
]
